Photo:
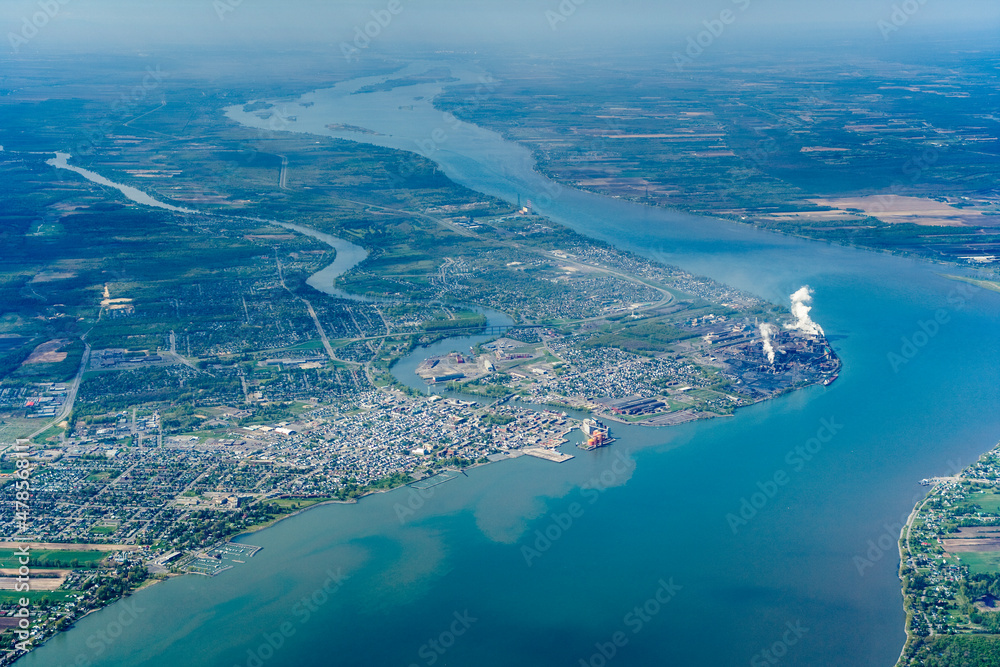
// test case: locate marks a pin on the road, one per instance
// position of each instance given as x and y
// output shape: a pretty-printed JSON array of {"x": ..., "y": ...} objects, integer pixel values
[
  {"x": 903, "y": 558},
  {"x": 179, "y": 358},
  {"x": 74, "y": 388},
  {"x": 128, "y": 123},
  {"x": 283, "y": 177},
  {"x": 312, "y": 313}
]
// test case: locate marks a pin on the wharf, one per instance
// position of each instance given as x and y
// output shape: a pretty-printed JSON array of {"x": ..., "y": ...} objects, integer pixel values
[{"x": 547, "y": 454}]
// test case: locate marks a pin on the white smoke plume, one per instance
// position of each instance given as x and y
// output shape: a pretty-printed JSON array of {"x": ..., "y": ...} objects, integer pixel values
[
  {"x": 766, "y": 331},
  {"x": 800, "y": 309}
]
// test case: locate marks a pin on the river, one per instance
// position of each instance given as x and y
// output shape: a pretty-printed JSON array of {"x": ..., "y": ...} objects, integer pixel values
[
  {"x": 349, "y": 255},
  {"x": 61, "y": 161},
  {"x": 553, "y": 560}
]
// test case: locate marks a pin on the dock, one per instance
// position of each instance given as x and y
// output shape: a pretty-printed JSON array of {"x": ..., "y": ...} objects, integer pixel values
[
  {"x": 547, "y": 454},
  {"x": 218, "y": 559},
  {"x": 434, "y": 480},
  {"x": 231, "y": 549}
]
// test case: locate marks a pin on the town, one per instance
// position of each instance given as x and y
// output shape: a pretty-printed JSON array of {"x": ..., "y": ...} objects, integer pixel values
[{"x": 950, "y": 565}]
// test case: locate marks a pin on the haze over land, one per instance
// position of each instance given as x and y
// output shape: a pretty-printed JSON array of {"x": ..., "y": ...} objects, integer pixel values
[{"x": 112, "y": 25}]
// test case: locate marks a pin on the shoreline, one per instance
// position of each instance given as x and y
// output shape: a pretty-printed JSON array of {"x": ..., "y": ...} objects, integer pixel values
[
  {"x": 903, "y": 552},
  {"x": 945, "y": 579}
]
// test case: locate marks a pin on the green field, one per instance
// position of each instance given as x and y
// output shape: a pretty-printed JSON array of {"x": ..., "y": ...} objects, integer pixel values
[
  {"x": 655, "y": 335},
  {"x": 11, "y": 597},
  {"x": 298, "y": 503},
  {"x": 42, "y": 557},
  {"x": 51, "y": 432},
  {"x": 982, "y": 562},
  {"x": 309, "y": 345},
  {"x": 989, "y": 502}
]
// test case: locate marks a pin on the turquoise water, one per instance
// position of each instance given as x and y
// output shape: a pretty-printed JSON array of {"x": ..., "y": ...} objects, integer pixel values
[{"x": 654, "y": 506}]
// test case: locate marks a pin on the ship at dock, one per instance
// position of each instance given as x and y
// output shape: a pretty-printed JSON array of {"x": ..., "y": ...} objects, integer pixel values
[{"x": 598, "y": 435}]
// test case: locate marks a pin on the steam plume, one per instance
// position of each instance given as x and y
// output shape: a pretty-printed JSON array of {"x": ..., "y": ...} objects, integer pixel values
[
  {"x": 766, "y": 331},
  {"x": 800, "y": 309}
]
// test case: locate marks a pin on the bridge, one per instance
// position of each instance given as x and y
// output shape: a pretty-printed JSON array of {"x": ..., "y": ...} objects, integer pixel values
[{"x": 495, "y": 330}]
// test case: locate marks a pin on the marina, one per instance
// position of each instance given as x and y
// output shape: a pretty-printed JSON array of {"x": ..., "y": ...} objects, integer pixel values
[{"x": 218, "y": 559}]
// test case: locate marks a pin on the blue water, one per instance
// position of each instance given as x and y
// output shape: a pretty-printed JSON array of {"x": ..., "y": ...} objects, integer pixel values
[{"x": 660, "y": 512}]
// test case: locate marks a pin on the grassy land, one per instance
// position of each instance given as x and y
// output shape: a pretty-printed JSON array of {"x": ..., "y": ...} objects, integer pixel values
[
  {"x": 308, "y": 346},
  {"x": 298, "y": 503},
  {"x": 981, "y": 562},
  {"x": 42, "y": 557},
  {"x": 988, "y": 502},
  {"x": 654, "y": 335},
  {"x": 50, "y": 432},
  {"x": 12, "y": 597}
]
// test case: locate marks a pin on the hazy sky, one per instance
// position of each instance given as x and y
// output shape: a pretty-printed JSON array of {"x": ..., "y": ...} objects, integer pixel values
[{"x": 96, "y": 25}]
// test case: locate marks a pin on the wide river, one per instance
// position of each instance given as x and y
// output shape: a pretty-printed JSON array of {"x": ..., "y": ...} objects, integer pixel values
[{"x": 809, "y": 574}]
